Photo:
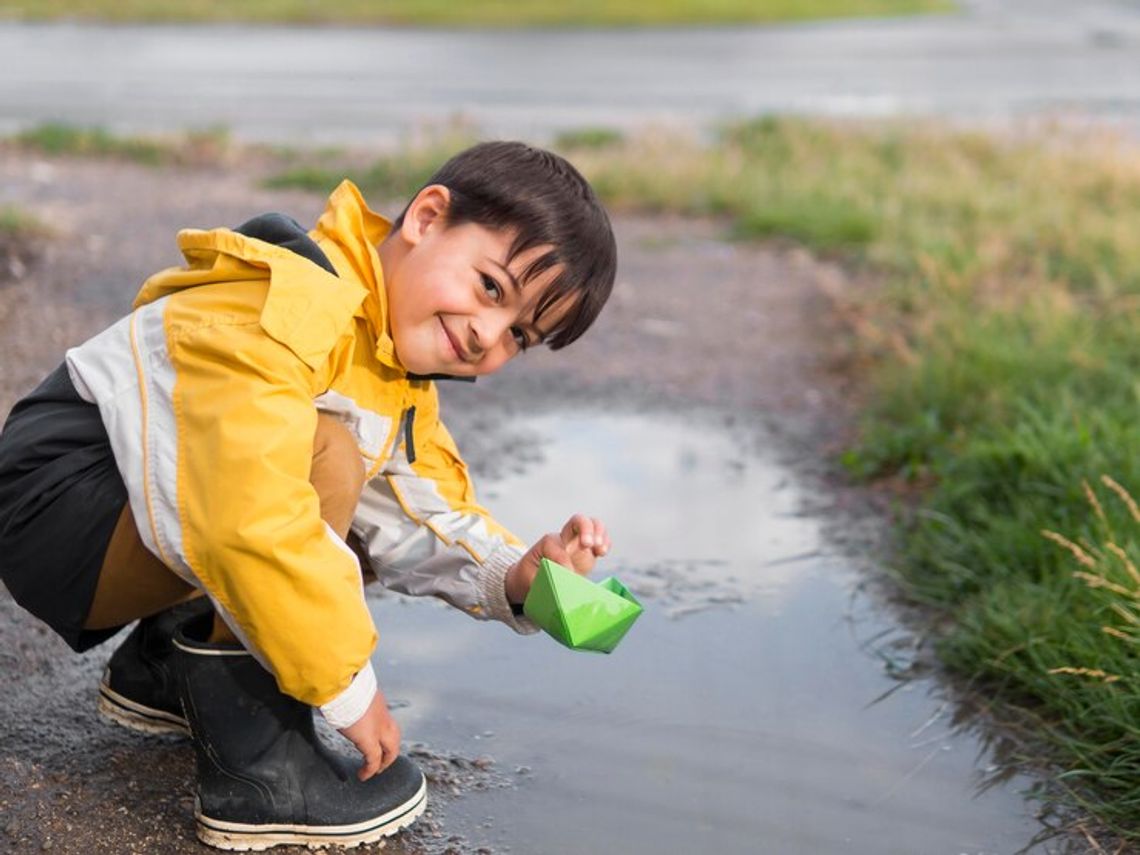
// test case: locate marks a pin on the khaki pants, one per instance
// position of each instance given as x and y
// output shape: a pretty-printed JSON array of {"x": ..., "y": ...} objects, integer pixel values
[{"x": 134, "y": 583}]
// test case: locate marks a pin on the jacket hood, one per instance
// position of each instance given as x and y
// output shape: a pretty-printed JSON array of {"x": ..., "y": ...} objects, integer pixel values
[{"x": 349, "y": 233}]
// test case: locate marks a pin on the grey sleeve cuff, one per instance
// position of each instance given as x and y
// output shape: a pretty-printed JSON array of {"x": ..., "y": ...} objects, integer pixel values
[{"x": 493, "y": 592}]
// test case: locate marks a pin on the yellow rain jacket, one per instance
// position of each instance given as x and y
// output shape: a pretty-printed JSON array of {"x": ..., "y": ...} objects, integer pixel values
[{"x": 210, "y": 390}]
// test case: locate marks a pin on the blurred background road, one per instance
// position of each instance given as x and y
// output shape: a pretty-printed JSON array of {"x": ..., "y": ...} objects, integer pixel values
[{"x": 991, "y": 60}]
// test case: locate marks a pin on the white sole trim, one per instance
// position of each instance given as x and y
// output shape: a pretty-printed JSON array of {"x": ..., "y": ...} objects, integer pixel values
[
  {"x": 134, "y": 716},
  {"x": 237, "y": 836},
  {"x": 211, "y": 651}
]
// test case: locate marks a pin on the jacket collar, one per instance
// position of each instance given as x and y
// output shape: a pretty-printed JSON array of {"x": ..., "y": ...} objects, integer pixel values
[{"x": 349, "y": 233}]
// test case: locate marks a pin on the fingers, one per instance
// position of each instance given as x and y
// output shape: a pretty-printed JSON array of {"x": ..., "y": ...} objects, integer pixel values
[
  {"x": 601, "y": 538},
  {"x": 588, "y": 532},
  {"x": 578, "y": 528},
  {"x": 376, "y": 736},
  {"x": 380, "y": 753},
  {"x": 391, "y": 745},
  {"x": 373, "y": 761}
]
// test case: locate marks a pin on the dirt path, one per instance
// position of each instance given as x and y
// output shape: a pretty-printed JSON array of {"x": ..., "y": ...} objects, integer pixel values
[{"x": 695, "y": 323}]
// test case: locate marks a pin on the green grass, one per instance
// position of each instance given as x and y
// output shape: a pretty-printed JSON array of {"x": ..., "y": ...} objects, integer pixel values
[
  {"x": 474, "y": 13},
  {"x": 15, "y": 223},
  {"x": 595, "y": 137},
  {"x": 60, "y": 138}
]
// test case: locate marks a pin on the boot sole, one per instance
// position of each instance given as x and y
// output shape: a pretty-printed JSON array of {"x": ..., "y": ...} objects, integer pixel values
[
  {"x": 135, "y": 716},
  {"x": 237, "y": 836}
]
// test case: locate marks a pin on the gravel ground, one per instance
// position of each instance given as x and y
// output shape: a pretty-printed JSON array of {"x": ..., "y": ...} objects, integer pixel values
[{"x": 695, "y": 323}]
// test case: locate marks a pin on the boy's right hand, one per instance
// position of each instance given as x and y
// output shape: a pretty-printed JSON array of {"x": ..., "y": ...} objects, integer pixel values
[{"x": 375, "y": 735}]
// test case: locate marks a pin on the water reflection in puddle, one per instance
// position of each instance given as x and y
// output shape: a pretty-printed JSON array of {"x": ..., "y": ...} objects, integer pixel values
[
  {"x": 738, "y": 715},
  {"x": 695, "y": 522}
]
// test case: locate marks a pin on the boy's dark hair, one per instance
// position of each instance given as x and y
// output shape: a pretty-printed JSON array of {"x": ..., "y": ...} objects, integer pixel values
[{"x": 511, "y": 185}]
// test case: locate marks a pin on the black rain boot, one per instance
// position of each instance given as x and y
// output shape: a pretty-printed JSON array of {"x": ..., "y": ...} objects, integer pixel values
[
  {"x": 138, "y": 689},
  {"x": 264, "y": 777}
]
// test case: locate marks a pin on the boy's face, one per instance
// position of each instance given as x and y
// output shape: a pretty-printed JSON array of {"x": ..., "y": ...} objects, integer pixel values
[{"x": 454, "y": 301}]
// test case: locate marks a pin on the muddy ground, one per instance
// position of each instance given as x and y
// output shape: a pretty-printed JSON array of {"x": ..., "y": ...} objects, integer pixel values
[{"x": 696, "y": 324}]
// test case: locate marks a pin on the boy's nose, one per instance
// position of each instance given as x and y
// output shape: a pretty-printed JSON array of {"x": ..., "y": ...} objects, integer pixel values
[
  {"x": 475, "y": 345},
  {"x": 486, "y": 331}
]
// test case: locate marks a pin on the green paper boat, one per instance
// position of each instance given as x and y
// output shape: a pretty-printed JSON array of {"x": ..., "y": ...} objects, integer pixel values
[{"x": 579, "y": 613}]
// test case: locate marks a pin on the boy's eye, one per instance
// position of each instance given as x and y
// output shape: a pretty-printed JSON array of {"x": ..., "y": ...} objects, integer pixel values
[
  {"x": 491, "y": 286},
  {"x": 520, "y": 338}
]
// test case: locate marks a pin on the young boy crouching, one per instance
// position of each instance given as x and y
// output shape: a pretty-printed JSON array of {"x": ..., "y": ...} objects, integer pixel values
[{"x": 261, "y": 426}]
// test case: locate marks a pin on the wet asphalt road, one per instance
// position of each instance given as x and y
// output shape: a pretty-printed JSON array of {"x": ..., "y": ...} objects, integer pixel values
[{"x": 990, "y": 60}]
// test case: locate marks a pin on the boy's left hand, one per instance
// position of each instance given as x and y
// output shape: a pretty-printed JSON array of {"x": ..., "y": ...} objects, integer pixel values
[{"x": 580, "y": 543}]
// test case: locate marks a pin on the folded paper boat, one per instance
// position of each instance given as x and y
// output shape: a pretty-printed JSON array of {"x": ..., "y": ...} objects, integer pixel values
[{"x": 579, "y": 613}]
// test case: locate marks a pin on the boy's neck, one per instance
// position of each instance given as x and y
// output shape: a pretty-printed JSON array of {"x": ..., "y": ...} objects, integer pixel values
[{"x": 391, "y": 251}]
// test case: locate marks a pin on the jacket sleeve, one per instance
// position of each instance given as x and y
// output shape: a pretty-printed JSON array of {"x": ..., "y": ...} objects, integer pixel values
[
  {"x": 425, "y": 535},
  {"x": 250, "y": 519}
]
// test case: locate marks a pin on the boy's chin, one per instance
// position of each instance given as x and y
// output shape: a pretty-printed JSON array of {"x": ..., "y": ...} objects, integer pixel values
[
  {"x": 423, "y": 362},
  {"x": 415, "y": 362}
]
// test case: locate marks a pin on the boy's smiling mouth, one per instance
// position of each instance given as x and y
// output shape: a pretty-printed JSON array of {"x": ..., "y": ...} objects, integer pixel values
[{"x": 453, "y": 343}]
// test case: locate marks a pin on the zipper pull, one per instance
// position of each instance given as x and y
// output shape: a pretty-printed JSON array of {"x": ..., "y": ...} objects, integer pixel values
[{"x": 409, "y": 438}]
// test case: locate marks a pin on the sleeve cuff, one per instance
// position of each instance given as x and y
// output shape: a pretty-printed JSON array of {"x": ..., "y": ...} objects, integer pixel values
[
  {"x": 493, "y": 591},
  {"x": 349, "y": 706}
]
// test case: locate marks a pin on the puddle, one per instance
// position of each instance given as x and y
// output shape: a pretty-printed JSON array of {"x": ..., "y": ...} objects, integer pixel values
[{"x": 743, "y": 712}]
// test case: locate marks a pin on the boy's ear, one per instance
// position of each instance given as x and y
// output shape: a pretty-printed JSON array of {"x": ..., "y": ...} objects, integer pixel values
[{"x": 428, "y": 210}]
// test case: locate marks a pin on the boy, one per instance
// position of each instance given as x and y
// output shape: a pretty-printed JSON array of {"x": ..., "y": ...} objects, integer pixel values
[{"x": 262, "y": 424}]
